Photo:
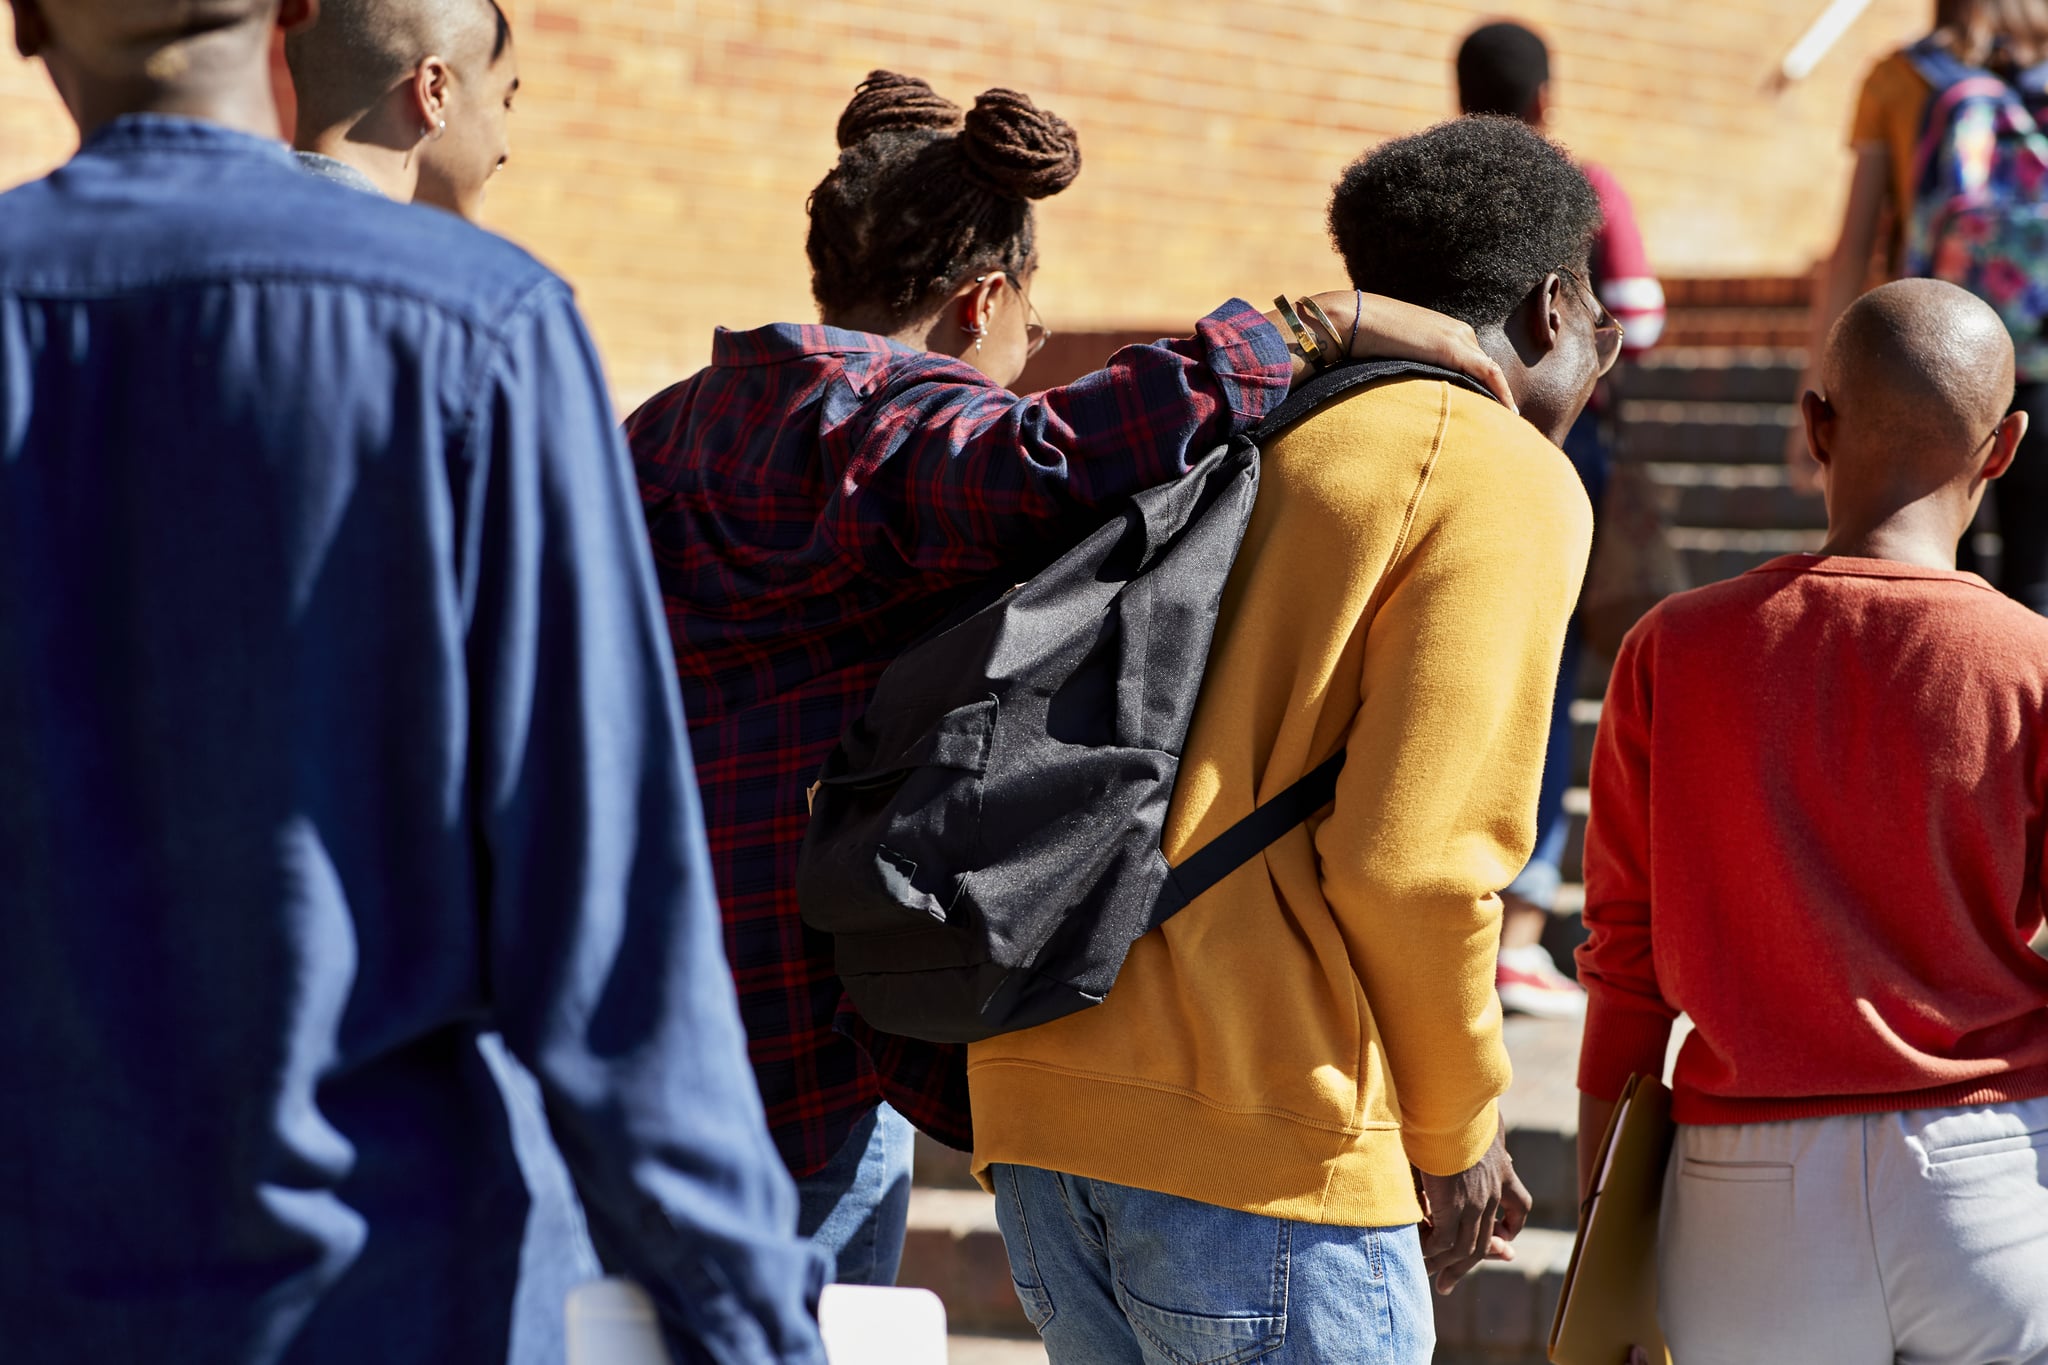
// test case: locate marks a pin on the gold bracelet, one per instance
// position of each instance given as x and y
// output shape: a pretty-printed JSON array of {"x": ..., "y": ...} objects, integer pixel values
[
  {"x": 1311, "y": 349},
  {"x": 1314, "y": 312}
]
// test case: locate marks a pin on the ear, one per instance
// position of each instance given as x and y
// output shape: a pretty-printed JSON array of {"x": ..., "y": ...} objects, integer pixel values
[
  {"x": 31, "y": 30},
  {"x": 977, "y": 303},
  {"x": 293, "y": 15},
  {"x": 1819, "y": 415},
  {"x": 2005, "y": 444},
  {"x": 1543, "y": 318},
  {"x": 432, "y": 83}
]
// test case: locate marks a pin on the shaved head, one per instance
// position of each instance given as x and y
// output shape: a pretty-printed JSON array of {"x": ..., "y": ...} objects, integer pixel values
[
  {"x": 1915, "y": 422},
  {"x": 1923, "y": 369},
  {"x": 357, "y": 50}
]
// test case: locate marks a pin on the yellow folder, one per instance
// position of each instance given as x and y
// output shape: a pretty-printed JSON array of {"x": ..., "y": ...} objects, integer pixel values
[{"x": 1610, "y": 1289}]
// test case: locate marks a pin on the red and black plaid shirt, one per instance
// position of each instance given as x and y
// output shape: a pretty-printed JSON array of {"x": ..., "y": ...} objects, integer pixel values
[{"x": 817, "y": 500}]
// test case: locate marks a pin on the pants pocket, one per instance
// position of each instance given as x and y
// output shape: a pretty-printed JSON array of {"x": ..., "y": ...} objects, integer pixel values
[
  {"x": 2003, "y": 1144},
  {"x": 1037, "y": 1305},
  {"x": 1198, "y": 1284},
  {"x": 1202, "y": 1338},
  {"x": 1736, "y": 1172},
  {"x": 1724, "y": 1224}
]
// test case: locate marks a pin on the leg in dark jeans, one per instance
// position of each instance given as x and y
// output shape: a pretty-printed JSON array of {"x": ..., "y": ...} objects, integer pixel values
[
  {"x": 2021, "y": 504},
  {"x": 1528, "y": 978}
]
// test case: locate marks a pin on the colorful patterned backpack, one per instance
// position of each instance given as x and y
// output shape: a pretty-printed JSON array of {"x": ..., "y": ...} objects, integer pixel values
[{"x": 1980, "y": 198}]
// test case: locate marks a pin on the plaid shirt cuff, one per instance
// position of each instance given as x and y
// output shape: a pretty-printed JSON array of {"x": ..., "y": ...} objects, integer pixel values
[{"x": 1249, "y": 358}]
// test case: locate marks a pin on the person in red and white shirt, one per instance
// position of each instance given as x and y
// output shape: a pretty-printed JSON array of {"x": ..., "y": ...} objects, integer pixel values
[{"x": 1504, "y": 70}]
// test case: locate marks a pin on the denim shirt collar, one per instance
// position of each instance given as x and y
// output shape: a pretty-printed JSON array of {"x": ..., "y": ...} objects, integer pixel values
[{"x": 155, "y": 134}]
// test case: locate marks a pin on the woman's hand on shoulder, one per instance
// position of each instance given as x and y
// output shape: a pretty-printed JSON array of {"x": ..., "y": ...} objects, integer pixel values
[{"x": 1379, "y": 328}]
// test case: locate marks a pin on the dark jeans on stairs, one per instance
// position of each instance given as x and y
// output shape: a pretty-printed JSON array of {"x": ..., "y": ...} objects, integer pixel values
[{"x": 2019, "y": 507}]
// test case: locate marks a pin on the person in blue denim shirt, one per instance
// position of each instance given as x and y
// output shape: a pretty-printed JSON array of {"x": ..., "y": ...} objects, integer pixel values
[{"x": 338, "y": 728}]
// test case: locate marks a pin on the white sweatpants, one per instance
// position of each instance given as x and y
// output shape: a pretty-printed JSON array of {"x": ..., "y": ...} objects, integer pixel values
[{"x": 1915, "y": 1237}]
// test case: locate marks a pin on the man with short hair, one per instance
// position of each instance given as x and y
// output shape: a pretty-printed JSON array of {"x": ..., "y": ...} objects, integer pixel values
[
  {"x": 1216, "y": 1162},
  {"x": 407, "y": 98},
  {"x": 338, "y": 726},
  {"x": 1820, "y": 810}
]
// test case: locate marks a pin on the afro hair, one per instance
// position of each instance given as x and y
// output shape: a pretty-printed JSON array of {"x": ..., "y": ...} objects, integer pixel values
[{"x": 1465, "y": 218}]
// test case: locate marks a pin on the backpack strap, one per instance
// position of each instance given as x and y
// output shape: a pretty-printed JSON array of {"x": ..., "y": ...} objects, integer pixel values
[
  {"x": 1954, "y": 81},
  {"x": 1248, "y": 838},
  {"x": 1339, "y": 380},
  {"x": 1941, "y": 68}
]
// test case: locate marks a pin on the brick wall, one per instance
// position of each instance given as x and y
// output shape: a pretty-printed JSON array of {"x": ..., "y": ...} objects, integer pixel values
[{"x": 663, "y": 148}]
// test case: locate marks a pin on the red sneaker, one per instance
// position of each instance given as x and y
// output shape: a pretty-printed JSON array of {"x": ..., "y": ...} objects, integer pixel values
[{"x": 1530, "y": 983}]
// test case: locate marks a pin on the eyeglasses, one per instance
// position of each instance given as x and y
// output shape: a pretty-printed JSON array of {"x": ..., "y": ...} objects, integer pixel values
[
  {"x": 1036, "y": 333},
  {"x": 1607, "y": 331}
]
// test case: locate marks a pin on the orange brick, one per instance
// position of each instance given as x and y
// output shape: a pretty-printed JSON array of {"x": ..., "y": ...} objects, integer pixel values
[{"x": 663, "y": 152}]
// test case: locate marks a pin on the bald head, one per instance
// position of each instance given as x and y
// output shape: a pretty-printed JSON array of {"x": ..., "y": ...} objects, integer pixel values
[
  {"x": 358, "y": 50},
  {"x": 1919, "y": 380},
  {"x": 1921, "y": 372}
]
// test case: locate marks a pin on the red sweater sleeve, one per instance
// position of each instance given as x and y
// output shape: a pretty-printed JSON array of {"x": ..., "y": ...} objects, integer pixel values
[
  {"x": 1628, "y": 1021},
  {"x": 1621, "y": 266}
]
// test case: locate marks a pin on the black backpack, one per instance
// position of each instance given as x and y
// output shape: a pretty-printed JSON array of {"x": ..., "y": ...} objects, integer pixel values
[{"x": 983, "y": 845}]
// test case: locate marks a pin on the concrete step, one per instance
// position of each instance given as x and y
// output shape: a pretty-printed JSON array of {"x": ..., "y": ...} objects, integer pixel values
[
  {"x": 938, "y": 1167},
  {"x": 1711, "y": 554},
  {"x": 1714, "y": 374},
  {"x": 1501, "y": 1314},
  {"x": 1784, "y": 329},
  {"x": 1542, "y": 1113},
  {"x": 955, "y": 1249},
  {"x": 1737, "y": 497},
  {"x": 995, "y": 1351},
  {"x": 1663, "y": 432},
  {"x": 1682, "y": 292}
]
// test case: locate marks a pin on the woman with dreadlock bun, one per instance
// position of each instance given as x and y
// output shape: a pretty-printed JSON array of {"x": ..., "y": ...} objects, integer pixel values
[{"x": 822, "y": 495}]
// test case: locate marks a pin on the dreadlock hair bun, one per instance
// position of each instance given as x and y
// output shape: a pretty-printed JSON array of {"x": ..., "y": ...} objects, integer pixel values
[
  {"x": 888, "y": 103},
  {"x": 1014, "y": 148},
  {"x": 923, "y": 198}
]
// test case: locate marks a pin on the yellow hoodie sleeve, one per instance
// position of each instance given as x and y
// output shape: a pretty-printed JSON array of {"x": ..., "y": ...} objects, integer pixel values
[{"x": 1435, "y": 811}]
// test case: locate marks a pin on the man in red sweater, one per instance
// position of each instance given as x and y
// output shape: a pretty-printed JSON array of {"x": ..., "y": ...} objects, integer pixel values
[{"x": 1820, "y": 808}]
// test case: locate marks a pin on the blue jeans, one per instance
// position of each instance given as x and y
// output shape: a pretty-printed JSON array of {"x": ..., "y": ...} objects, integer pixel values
[
  {"x": 1111, "y": 1275},
  {"x": 857, "y": 1208}
]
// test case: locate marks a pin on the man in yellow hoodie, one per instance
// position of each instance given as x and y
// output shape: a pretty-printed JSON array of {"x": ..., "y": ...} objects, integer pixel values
[{"x": 1219, "y": 1163}]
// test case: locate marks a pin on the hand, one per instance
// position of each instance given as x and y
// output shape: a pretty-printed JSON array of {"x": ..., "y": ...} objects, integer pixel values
[
  {"x": 1472, "y": 1216},
  {"x": 1388, "y": 329}
]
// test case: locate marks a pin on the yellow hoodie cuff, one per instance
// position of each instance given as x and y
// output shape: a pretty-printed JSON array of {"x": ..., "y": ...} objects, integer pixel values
[{"x": 1454, "y": 1152}]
